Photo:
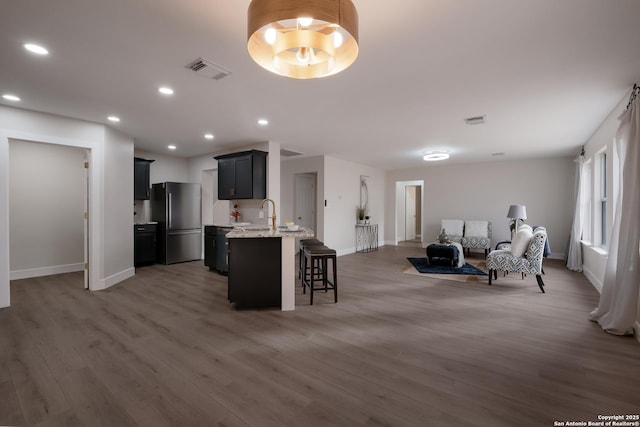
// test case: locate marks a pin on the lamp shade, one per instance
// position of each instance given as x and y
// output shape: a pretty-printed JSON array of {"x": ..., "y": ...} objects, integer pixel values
[
  {"x": 303, "y": 39},
  {"x": 517, "y": 212}
]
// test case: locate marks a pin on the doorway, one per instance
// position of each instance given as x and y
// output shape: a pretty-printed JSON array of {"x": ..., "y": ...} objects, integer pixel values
[
  {"x": 409, "y": 213},
  {"x": 304, "y": 200},
  {"x": 412, "y": 208},
  {"x": 48, "y": 210}
]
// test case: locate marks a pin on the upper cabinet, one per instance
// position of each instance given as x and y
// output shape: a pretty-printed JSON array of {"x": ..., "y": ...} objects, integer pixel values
[
  {"x": 141, "y": 181},
  {"x": 242, "y": 175}
]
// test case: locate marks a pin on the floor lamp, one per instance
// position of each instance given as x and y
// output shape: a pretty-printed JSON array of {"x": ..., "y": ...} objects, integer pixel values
[{"x": 515, "y": 213}]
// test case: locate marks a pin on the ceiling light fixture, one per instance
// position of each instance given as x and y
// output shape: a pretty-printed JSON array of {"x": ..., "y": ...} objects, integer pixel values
[
  {"x": 37, "y": 49},
  {"x": 263, "y": 122},
  {"x": 10, "y": 97},
  {"x": 434, "y": 156},
  {"x": 171, "y": 147},
  {"x": 114, "y": 119},
  {"x": 165, "y": 90},
  {"x": 303, "y": 39},
  {"x": 208, "y": 135}
]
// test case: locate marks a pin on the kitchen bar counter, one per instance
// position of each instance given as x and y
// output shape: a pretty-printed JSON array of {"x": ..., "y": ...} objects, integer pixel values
[{"x": 287, "y": 270}]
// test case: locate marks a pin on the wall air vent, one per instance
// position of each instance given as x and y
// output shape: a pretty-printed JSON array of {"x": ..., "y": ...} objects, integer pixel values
[
  {"x": 477, "y": 120},
  {"x": 288, "y": 153},
  {"x": 207, "y": 69}
]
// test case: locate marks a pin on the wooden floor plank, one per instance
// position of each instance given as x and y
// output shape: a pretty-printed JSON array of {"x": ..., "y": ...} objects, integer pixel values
[{"x": 165, "y": 348}]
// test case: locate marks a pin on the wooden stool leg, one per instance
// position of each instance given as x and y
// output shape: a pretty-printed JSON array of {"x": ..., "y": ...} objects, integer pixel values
[{"x": 335, "y": 280}]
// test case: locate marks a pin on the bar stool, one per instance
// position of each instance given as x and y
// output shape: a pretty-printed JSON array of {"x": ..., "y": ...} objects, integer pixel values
[
  {"x": 303, "y": 244},
  {"x": 316, "y": 259}
]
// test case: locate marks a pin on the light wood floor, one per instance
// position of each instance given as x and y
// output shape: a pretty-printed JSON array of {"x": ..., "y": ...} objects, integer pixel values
[{"x": 165, "y": 348}]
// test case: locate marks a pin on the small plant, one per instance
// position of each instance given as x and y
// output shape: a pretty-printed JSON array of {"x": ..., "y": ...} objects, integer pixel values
[{"x": 361, "y": 213}]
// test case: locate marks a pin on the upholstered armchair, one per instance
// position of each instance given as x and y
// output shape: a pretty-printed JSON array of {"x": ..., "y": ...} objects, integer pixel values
[
  {"x": 470, "y": 234},
  {"x": 525, "y": 255},
  {"x": 477, "y": 235}
]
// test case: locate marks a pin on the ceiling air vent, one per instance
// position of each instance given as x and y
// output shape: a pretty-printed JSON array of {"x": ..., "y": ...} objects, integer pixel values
[
  {"x": 477, "y": 120},
  {"x": 208, "y": 69}
]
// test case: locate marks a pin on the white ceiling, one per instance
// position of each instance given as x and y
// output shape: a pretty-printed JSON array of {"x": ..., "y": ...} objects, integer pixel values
[{"x": 545, "y": 73}]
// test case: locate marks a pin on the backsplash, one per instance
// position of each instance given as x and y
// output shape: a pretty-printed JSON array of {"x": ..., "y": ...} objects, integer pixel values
[{"x": 142, "y": 211}]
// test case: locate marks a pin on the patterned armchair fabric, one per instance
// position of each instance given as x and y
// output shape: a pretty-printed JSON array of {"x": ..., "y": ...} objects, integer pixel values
[
  {"x": 529, "y": 263},
  {"x": 470, "y": 234},
  {"x": 480, "y": 241}
]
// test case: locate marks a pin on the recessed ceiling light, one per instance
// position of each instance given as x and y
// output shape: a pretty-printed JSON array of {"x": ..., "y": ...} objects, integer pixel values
[
  {"x": 208, "y": 135},
  {"x": 263, "y": 122},
  {"x": 37, "y": 49},
  {"x": 172, "y": 147},
  {"x": 114, "y": 119},
  {"x": 435, "y": 156},
  {"x": 165, "y": 90},
  {"x": 497, "y": 154},
  {"x": 10, "y": 97}
]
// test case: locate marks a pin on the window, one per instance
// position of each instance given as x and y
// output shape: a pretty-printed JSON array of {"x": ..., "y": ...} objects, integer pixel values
[
  {"x": 602, "y": 172},
  {"x": 587, "y": 207}
]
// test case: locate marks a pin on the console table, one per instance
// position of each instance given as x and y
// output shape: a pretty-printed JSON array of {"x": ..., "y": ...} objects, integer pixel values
[{"x": 366, "y": 237}]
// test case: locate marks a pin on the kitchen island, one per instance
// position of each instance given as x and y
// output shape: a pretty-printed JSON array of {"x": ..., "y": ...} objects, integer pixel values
[{"x": 262, "y": 267}]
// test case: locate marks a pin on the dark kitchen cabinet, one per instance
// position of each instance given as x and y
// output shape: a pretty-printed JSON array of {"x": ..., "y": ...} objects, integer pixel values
[
  {"x": 255, "y": 272},
  {"x": 141, "y": 180},
  {"x": 144, "y": 244},
  {"x": 242, "y": 175},
  {"x": 222, "y": 249},
  {"x": 210, "y": 246},
  {"x": 216, "y": 248}
]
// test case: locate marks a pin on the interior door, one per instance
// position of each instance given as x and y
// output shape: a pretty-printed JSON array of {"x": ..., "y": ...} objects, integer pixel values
[
  {"x": 410, "y": 213},
  {"x": 305, "y": 200}
]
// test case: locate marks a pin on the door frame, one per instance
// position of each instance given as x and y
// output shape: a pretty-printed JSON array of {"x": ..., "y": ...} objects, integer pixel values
[
  {"x": 95, "y": 156},
  {"x": 399, "y": 211},
  {"x": 313, "y": 198}
]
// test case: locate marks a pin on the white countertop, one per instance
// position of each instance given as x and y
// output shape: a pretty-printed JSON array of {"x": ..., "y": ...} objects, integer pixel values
[{"x": 257, "y": 231}]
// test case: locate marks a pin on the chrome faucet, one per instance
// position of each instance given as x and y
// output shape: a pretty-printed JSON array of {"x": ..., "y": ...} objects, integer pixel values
[{"x": 273, "y": 217}]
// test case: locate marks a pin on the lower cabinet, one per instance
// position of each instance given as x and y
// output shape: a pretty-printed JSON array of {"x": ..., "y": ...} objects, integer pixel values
[
  {"x": 255, "y": 273},
  {"x": 144, "y": 244},
  {"x": 216, "y": 248}
]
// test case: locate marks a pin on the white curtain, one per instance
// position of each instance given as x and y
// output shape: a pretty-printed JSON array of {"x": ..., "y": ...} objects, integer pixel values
[
  {"x": 618, "y": 307},
  {"x": 574, "y": 254}
]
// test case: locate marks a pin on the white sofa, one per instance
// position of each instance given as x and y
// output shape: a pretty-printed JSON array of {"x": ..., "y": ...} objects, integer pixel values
[{"x": 471, "y": 234}]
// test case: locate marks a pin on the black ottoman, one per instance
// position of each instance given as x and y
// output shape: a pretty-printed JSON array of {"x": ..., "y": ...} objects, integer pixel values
[{"x": 442, "y": 254}]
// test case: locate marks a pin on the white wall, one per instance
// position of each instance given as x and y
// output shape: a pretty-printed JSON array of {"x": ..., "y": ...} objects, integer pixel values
[
  {"x": 288, "y": 169},
  {"x": 485, "y": 191},
  {"x": 46, "y": 193},
  {"x": 104, "y": 162},
  {"x": 342, "y": 192},
  {"x": 118, "y": 210}
]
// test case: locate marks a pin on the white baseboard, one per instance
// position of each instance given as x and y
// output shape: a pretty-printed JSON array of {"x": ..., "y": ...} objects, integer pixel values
[
  {"x": 114, "y": 279},
  {"x": 347, "y": 251},
  {"x": 556, "y": 255},
  {"x": 592, "y": 278},
  {"x": 45, "y": 271}
]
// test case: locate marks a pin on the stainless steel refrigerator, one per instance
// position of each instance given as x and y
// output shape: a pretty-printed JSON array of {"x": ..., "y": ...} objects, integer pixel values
[{"x": 177, "y": 209}]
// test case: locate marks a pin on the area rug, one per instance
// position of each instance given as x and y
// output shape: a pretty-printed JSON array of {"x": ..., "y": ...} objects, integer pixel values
[{"x": 470, "y": 272}]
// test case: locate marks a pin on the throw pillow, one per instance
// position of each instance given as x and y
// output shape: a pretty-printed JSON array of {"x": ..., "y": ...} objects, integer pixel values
[
  {"x": 521, "y": 240},
  {"x": 476, "y": 228},
  {"x": 453, "y": 227}
]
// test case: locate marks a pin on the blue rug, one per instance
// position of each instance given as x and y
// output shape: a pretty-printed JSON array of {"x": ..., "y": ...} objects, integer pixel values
[{"x": 422, "y": 265}]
